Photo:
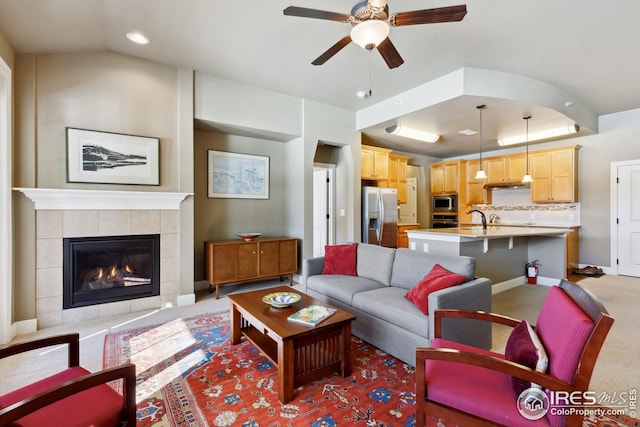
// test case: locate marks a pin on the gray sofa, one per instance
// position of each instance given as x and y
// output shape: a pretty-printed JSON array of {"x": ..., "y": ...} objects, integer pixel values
[{"x": 384, "y": 317}]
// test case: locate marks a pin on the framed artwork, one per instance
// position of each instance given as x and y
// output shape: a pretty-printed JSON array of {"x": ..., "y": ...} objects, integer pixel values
[
  {"x": 112, "y": 158},
  {"x": 238, "y": 176}
]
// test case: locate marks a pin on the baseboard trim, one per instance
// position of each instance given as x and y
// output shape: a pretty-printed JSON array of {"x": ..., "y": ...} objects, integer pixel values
[
  {"x": 518, "y": 281},
  {"x": 24, "y": 327},
  {"x": 188, "y": 299},
  {"x": 507, "y": 284}
]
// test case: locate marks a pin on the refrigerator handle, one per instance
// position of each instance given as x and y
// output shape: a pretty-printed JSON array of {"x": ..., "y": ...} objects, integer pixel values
[{"x": 381, "y": 219}]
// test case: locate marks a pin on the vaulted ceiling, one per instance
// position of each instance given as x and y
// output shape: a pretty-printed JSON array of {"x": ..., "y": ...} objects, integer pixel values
[{"x": 584, "y": 49}]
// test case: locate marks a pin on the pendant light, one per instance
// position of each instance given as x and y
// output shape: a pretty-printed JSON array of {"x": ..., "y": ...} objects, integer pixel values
[
  {"x": 481, "y": 174},
  {"x": 527, "y": 178}
]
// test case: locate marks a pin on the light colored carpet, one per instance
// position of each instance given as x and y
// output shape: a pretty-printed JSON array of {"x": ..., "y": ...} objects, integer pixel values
[{"x": 617, "y": 369}]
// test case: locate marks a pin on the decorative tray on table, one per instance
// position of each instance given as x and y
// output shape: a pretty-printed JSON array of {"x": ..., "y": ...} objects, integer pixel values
[
  {"x": 281, "y": 299},
  {"x": 249, "y": 237}
]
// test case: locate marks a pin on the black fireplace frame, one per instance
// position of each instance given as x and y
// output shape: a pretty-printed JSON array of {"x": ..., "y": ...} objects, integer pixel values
[{"x": 74, "y": 299}]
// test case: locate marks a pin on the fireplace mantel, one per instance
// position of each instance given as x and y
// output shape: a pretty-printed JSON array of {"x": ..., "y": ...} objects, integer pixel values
[{"x": 61, "y": 199}]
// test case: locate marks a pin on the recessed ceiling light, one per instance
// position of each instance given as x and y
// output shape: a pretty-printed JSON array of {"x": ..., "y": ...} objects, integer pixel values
[
  {"x": 468, "y": 132},
  {"x": 138, "y": 38}
]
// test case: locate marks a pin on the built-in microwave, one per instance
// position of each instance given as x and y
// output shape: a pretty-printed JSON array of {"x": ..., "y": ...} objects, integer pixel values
[{"x": 444, "y": 203}]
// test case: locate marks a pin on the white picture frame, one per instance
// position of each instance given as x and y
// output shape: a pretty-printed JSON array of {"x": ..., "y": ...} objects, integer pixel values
[
  {"x": 237, "y": 176},
  {"x": 112, "y": 158}
]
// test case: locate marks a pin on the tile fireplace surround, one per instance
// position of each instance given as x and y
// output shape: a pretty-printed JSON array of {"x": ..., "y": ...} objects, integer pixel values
[{"x": 83, "y": 213}]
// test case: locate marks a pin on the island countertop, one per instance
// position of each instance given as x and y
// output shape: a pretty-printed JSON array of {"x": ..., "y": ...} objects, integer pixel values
[{"x": 461, "y": 234}]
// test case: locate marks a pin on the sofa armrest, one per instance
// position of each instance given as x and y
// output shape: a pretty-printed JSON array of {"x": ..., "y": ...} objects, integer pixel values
[
  {"x": 311, "y": 267},
  {"x": 472, "y": 295}
]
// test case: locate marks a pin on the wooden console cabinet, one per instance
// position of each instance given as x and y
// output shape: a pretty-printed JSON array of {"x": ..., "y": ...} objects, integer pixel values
[{"x": 237, "y": 261}]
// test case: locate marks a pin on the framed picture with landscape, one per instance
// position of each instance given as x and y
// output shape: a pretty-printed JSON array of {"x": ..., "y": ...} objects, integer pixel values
[
  {"x": 112, "y": 158},
  {"x": 237, "y": 176}
]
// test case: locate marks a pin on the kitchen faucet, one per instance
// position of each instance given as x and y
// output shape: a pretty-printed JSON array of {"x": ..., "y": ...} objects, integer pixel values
[{"x": 482, "y": 216}]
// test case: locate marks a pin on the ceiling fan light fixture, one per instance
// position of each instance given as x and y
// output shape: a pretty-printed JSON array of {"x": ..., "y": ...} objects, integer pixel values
[
  {"x": 369, "y": 34},
  {"x": 545, "y": 134},
  {"x": 412, "y": 133}
]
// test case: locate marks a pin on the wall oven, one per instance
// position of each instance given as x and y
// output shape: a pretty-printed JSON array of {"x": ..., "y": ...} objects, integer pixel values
[
  {"x": 444, "y": 221},
  {"x": 444, "y": 203}
]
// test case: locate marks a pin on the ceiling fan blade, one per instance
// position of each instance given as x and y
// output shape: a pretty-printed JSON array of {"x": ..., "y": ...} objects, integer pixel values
[
  {"x": 315, "y": 13},
  {"x": 429, "y": 16},
  {"x": 390, "y": 54},
  {"x": 332, "y": 50}
]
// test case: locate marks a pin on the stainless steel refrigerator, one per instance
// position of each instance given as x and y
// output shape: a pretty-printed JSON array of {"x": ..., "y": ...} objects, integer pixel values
[{"x": 380, "y": 216}]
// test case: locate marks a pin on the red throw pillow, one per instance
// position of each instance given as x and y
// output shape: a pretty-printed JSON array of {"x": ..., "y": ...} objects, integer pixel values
[
  {"x": 340, "y": 259},
  {"x": 438, "y": 278},
  {"x": 524, "y": 347}
]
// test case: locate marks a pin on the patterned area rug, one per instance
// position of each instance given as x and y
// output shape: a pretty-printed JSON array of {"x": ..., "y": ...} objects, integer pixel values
[{"x": 190, "y": 375}]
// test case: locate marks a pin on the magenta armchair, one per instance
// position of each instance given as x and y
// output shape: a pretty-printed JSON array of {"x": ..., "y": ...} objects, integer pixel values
[
  {"x": 468, "y": 386},
  {"x": 71, "y": 397}
]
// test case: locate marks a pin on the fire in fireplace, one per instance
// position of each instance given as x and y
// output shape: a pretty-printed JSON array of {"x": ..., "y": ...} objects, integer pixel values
[{"x": 98, "y": 270}]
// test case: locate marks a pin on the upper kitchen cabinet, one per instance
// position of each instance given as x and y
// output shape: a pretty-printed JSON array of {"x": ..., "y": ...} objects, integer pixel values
[
  {"x": 555, "y": 175},
  {"x": 398, "y": 176},
  {"x": 506, "y": 169},
  {"x": 476, "y": 193},
  {"x": 446, "y": 176},
  {"x": 374, "y": 163}
]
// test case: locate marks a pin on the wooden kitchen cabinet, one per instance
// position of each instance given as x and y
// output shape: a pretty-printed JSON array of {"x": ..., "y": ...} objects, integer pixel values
[
  {"x": 516, "y": 167},
  {"x": 374, "y": 163},
  {"x": 476, "y": 193},
  {"x": 555, "y": 175},
  {"x": 445, "y": 177},
  {"x": 237, "y": 261},
  {"x": 398, "y": 176},
  {"x": 496, "y": 168},
  {"x": 403, "y": 238},
  {"x": 506, "y": 169}
]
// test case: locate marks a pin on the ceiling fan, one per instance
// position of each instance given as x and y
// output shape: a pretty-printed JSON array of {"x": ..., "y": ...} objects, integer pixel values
[{"x": 371, "y": 20}]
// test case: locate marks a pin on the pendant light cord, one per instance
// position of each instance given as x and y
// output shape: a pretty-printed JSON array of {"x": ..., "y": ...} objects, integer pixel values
[
  {"x": 481, "y": 107},
  {"x": 526, "y": 118}
]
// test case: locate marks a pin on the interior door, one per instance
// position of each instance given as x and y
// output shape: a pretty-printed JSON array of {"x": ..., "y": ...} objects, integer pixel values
[
  {"x": 628, "y": 220},
  {"x": 322, "y": 209},
  {"x": 409, "y": 211}
]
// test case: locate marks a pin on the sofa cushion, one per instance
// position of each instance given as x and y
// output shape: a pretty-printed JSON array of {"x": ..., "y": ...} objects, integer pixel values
[
  {"x": 438, "y": 278},
  {"x": 409, "y": 267},
  {"x": 340, "y": 259},
  {"x": 341, "y": 287},
  {"x": 388, "y": 303},
  {"x": 524, "y": 347},
  {"x": 375, "y": 262}
]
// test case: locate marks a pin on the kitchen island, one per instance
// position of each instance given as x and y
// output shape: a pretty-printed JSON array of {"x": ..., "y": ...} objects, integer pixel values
[{"x": 501, "y": 252}]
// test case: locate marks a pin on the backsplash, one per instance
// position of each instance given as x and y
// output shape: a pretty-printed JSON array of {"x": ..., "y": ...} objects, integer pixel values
[{"x": 513, "y": 206}]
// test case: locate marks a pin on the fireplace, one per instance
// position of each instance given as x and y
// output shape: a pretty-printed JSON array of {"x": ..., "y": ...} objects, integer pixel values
[{"x": 99, "y": 270}]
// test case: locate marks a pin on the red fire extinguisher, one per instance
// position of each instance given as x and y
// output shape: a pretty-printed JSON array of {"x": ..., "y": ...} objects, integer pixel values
[{"x": 532, "y": 272}]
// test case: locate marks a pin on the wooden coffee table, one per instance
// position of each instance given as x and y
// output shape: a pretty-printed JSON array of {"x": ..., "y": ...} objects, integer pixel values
[{"x": 302, "y": 353}]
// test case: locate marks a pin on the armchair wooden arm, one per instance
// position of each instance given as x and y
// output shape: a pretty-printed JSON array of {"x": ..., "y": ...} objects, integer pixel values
[
  {"x": 71, "y": 340},
  {"x": 489, "y": 362}
]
